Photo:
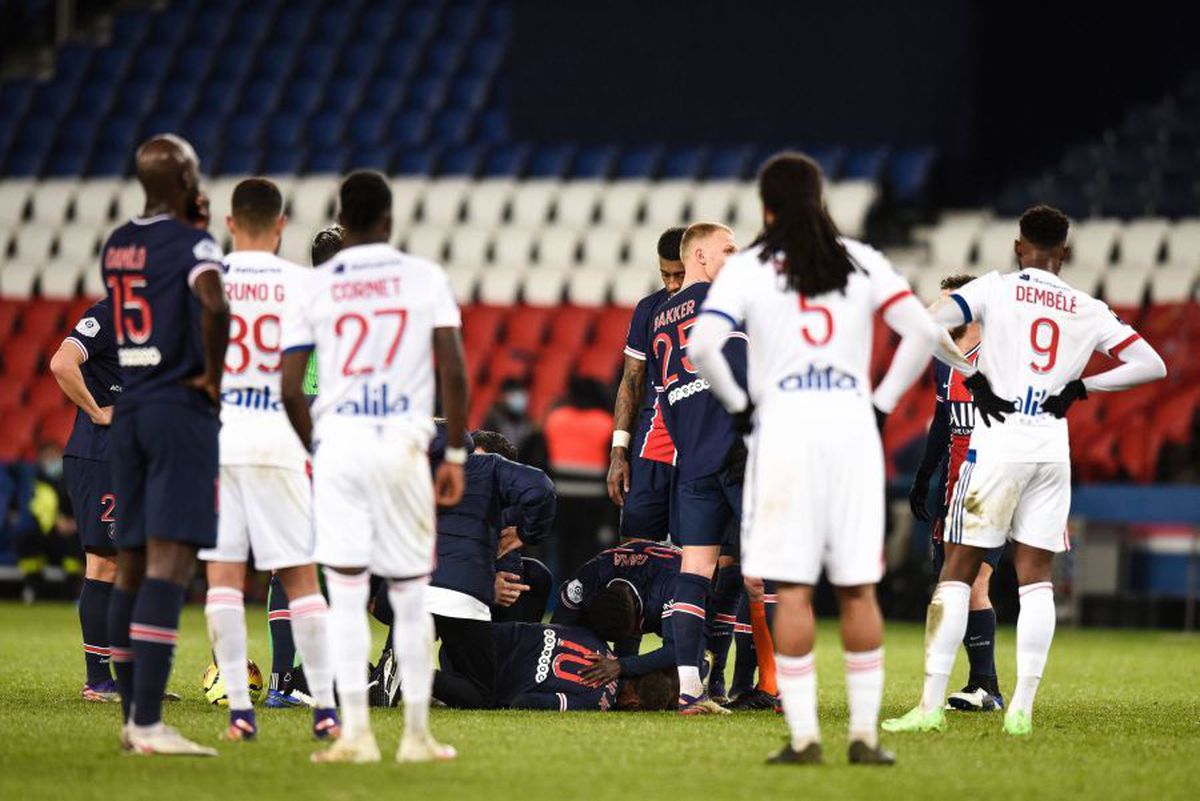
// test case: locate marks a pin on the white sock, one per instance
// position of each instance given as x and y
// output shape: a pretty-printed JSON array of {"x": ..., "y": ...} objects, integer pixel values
[
  {"x": 412, "y": 641},
  {"x": 864, "y": 688},
  {"x": 350, "y": 639},
  {"x": 945, "y": 625},
  {"x": 310, "y": 629},
  {"x": 1035, "y": 632},
  {"x": 797, "y": 679},
  {"x": 689, "y": 680},
  {"x": 226, "y": 613}
]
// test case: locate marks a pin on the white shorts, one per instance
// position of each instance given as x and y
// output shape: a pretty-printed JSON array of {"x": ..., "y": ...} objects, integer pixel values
[
  {"x": 814, "y": 498},
  {"x": 267, "y": 510},
  {"x": 995, "y": 501},
  {"x": 373, "y": 502}
]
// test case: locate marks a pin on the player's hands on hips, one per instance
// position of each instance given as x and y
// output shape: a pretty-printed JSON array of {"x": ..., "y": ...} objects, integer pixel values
[
  {"x": 880, "y": 418},
  {"x": 986, "y": 401},
  {"x": 448, "y": 484},
  {"x": 209, "y": 388},
  {"x": 103, "y": 417},
  {"x": 200, "y": 215},
  {"x": 602, "y": 670},
  {"x": 618, "y": 476},
  {"x": 918, "y": 497},
  {"x": 1058, "y": 405},
  {"x": 508, "y": 588},
  {"x": 510, "y": 541}
]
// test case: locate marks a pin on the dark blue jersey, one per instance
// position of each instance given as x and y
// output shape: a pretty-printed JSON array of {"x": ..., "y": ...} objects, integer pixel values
[
  {"x": 698, "y": 424},
  {"x": 650, "y": 568},
  {"x": 650, "y": 437},
  {"x": 93, "y": 335},
  {"x": 149, "y": 268},
  {"x": 538, "y": 666}
]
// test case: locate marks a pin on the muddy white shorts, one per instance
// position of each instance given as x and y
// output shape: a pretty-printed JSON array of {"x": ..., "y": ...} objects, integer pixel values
[{"x": 995, "y": 501}]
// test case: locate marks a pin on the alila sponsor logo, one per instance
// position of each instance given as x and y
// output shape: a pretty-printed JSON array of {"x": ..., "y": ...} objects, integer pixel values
[
  {"x": 819, "y": 379},
  {"x": 259, "y": 398},
  {"x": 374, "y": 401}
]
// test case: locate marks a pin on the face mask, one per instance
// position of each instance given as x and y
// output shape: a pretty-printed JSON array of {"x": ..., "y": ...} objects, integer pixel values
[
  {"x": 53, "y": 468},
  {"x": 517, "y": 402}
]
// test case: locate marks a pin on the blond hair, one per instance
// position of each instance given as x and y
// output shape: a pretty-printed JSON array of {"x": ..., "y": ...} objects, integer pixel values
[{"x": 700, "y": 230}]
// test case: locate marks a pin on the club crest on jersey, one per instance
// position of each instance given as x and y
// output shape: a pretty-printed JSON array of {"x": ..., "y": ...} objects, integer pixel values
[
  {"x": 374, "y": 402},
  {"x": 88, "y": 326},
  {"x": 207, "y": 250},
  {"x": 575, "y": 591}
]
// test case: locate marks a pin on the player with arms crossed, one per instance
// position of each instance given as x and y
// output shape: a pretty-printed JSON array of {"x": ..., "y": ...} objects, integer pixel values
[
  {"x": 815, "y": 475},
  {"x": 708, "y": 495},
  {"x": 946, "y": 449},
  {"x": 265, "y": 497},
  {"x": 1038, "y": 335},
  {"x": 378, "y": 318},
  {"x": 85, "y": 367},
  {"x": 171, "y": 323}
]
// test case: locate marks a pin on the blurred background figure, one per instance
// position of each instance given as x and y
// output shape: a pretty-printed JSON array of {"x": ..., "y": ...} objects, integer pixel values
[
  {"x": 578, "y": 434},
  {"x": 43, "y": 526},
  {"x": 509, "y": 416}
]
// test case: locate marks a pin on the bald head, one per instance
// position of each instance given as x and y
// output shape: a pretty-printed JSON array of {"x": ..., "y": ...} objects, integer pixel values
[{"x": 169, "y": 172}]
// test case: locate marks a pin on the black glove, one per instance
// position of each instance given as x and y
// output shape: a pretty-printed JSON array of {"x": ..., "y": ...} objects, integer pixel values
[
  {"x": 987, "y": 402},
  {"x": 735, "y": 461},
  {"x": 918, "y": 497},
  {"x": 880, "y": 419},
  {"x": 1058, "y": 405},
  {"x": 743, "y": 421}
]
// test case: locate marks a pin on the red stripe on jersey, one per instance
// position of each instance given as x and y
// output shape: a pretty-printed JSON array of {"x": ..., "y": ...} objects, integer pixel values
[
  {"x": 887, "y": 304},
  {"x": 1124, "y": 344},
  {"x": 658, "y": 446}
]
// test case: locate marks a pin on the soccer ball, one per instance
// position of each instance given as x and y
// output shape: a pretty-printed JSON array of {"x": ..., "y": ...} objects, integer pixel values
[{"x": 213, "y": 686}]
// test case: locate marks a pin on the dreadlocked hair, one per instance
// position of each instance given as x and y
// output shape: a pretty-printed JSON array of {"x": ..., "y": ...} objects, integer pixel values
[{"x": 801, "y": 231}]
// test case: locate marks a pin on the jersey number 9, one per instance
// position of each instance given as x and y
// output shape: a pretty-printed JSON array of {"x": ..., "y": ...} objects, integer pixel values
[
  {"x": 1044, "y": 344},
  {"x": 264, "y": 336}
]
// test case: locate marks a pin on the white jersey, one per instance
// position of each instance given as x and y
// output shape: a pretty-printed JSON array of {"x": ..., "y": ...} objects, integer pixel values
[
  {"x": 254, "y": 427},
  {"x": 370, "y": 312},
  {"x": 806, "y": 345},
  {"x": 1038, "y": 334}
]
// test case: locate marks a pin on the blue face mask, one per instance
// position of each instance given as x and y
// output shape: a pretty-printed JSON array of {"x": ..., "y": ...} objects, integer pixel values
[
  {"x": 517, "y": 402},
  {"x": 53, "y": 467}
]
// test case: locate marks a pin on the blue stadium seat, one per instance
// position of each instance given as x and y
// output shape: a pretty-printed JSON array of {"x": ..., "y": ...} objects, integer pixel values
[
  {"x": 484, "y": 56},
  {"x": 367, "y": 127},
  {"x": 151, "y": 63},
  {"x": 375, "y": 24},
  {"x": 258, "y": 96},
  {"x": 332, "y": 26},
  {"x": 291, "y": 25},
  {"x": 452, "y": 127},
  {"x": 908, "y": 174},
  {"x": 459, "y": 22},
  {"x": 204, "y": 132},
  {"x": 15, "y": 98},
  {"x": 417, "y": 160},
  {"x": 729, "y": 163},
  {"x": 426, "y": 93},
  {"x": 192, "y": 61},
  {"x": 51, "y": 99},
  {"x": 315, "y": 64},
  {"x": 324, "y": 131},
  {"x": 399, "y": 61},
  {"x": 243, "y": 132},
  {"x": 274, "y": 62},
  {"x": 327, "y": 160},
  {"x": 492, "y": 127},
  {"x": 371, "y": 157},
  {"x": 550, "y": 161},
  {"x": 285, "y": 161},
  {"x": 866, "y": 164},
  {"x": 442, "y": 58},
  {"x": 156, "y": 123},
  {"x": 594, "y": 161},
  {"x": 167, "y": 27},
  {"x": 67, "y": 163},
  {"x": 109, "y": 161},
  {"x": 110, "y": 64},
  {"x": 175, "y": 97},
  {"x": 94, "y": 98},
  {"x": 410, "y": 128},
  {"x": 357, "y": 62},
  {"x": 72, "y": 62},
  {"x": 419, "y": 23},
  {"x": 77, "y": 132},
  {"x": 230, "y": 65},
  {"x": 208, "y": 26},
  {"x": 237, "y": 161},
  {"x": 639, "y": 162},
  {"x": 384, "y": 95},
  {"x": 498, "y": 21},
  {"x": 248, "y": 27},
  {"x": 831, "y": 159},
  {"x": 118, "y": 132},
  {"x": 129, "y": 28},
  {"x": 468, "y": 92},
  {"x": 284, "y": 131},
  {"x": 21, "y": 163},
  {"x": 684, "y": 162},
  {"x": 216, "y": 98},
  {"x": 341, "y": 95},
  {"x": 300, "y": 97},
  {"x": 506, "y": 160}
]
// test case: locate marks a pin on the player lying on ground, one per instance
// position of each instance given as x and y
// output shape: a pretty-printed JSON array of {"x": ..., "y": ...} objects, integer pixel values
[
  {"x": 1038, "y": 335},
  {"x": 539, "y": 666},
  {"x": 946, "y": 449},
  {"x": 171, "y": 323},
  {"x": 815, "y": 477},
  {"x": 265, "y": 495}
]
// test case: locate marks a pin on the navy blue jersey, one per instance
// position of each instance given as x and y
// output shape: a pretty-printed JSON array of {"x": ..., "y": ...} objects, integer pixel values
[
  {"x": 149, "y": 268},
  {"x": 650, "y": 437},
  {"x": 698, "y": 424},
  {"x": 650, "y": 568},
  {"x": 93, "y": 335},
  {"x": 538, "y": 666}
]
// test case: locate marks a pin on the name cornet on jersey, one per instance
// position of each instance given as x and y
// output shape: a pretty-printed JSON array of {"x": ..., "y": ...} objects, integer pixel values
[{"x": 374, "y": 401}]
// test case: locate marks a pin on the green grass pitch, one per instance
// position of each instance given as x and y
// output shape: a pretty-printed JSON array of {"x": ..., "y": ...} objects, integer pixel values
[{"x": 1118, "y": 717}]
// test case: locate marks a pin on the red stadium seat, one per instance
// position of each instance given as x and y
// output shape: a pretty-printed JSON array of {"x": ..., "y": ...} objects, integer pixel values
[
  {"x": 601, "y": 362},
  {"x": 44, "y": 319},
  {"x": 17, "y": 429},
  {"x": 1174, "y": 416},
  {"x": 550, "y": 375},
  {"x": 46, "y": 395},
  {"x": 477, "y": 356},
  {"x": 21, "y": 359},
  {"x": 481, "y": 326},
  {"x": 570, "y": 327},
  {"x": 10, "y": 311},
  {"x": 12, "y": 394},
  {"x": 482, "y": 398},
  {"x": 612, "y": 325},
  {"x": 508, "y": 363},
  {"x": 55, "y": 426},
  {"x": 77, "y": 308},
  {"x": 526, "y": 327}
]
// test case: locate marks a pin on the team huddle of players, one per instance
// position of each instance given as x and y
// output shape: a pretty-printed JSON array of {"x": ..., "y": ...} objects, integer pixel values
[{"x": 747, "y": 434}]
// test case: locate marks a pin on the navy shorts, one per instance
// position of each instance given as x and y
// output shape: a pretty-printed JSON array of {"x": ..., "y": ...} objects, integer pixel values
[
  {"x": 165, "y": 465},
  {"x": 708, "y": 510},
  {"x": 647, "y": 511},
  {"x": 90, "y": 485},
  {"x": 992, "y": 557}
]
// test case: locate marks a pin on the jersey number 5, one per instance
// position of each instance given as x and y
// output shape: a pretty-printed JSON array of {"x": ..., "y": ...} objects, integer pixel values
[
  {"x": 125, "y": 299},
  {"x": 360, "y": 327},
  {"x": 826, "y": 330},
  {"x": 1049, "y": 350}
]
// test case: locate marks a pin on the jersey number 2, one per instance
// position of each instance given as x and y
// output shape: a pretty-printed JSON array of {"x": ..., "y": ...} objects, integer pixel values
[
  {"x": 681, "y": 331},
  {"x": 1049, "y": 350},
  {"x": 359, "y": 326}
]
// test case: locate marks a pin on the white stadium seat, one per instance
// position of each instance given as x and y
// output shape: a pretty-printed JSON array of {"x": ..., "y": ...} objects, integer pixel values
[
  {"x": 513, "y": 247},
  {"x": 632, "y": 284},
  {"x": 1126, "y": 286},
  {"x": 407, "y": 193},
  {"x": 621, "y": 203},
  {"x": 604, "y": 247},
  {"x": 995, "y": 250},
  {"x": 1084, "y": 277},
  {"x": 951, "y": 242},
  {"x": 286, "y": 184},
  {"x": 544, "y": 287},
  {"x": 94, "y": 201},
  {"x": 747, "y": 207},
  {"x": 93, "y": 282},
  {"x": 1142, "y": 242},
  {"x": 34, "y": 243},
  {"x": 313, "y": 200},
  {"x": 576, "y": 203},
  {"x": 220, "y": 203},
  {"x": 557, "y": 247},
  {"x": 1092, "y": 241},
  {"x": 498, "y": 286},
  {"x": 77, "y": 243},
  {"x": 488, "y": 200},
  {"x": 532, "y": 200},
  {"x": 426, "y": 241},
  {"x": 469, "y": 246},
  {"x": 713, "y": 201},
  {"x": 1174, "y": 283},
  {"x": 60, "y": 278},
  {"x": 463, "y": 280},
  {"x": 588, "y": 287},
  {"x": 52, "y": 200},
  {"x": 14, "y": 197},
  {"x": 17, "y": 279},
  {"x": 295, "y": 245},
  {"x": 1183, "y": 242},
  {"x": 131, "y": 201},
  {"x": 667, "y": 203},
  {"x": 927, "y": 284},
  {"x": 643, "y": 246},
  {"x": 849, "y": 204},
  {"x": 443, "y": 201}
]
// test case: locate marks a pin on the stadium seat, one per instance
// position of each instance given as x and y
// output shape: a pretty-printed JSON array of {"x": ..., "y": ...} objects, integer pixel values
[
  {"x": 17, "y": 434},
  {"x": 499, "y": 286},
  {"x": 1125, "y": 286},
  {"x": 532, "y": 201},
  {"x": 666, "y": 203},
  {"x": 600, "y": 362},
  {"x": 746, "y": 205},
  {"x": 21, "y": 358},
  {"x": 545, "y": 286},
  {"x": 45, "y": 395},
  {"x": 631, "y": 284},
  {"x": 620, "y": 202},
  {"x": 576, "y": 203},
  {"x": 558, "y": 247},
  {"x": 12, "y": 396},
  {"x": 469, "y": 246},
  {"x": 481, "y": 325},
  {"x": 78, "y": 243},
  {"x": 426, "y": 241},
  {"x": 488, "y": 200},
  {"x": 1173, "y": 283},
  {"x": 1084, "y": 277},
  {"x": 52, "y": 200},
  {"x": 683, "y": 163},
  {"x": 951, "y": 243},
  {"x": 588, "y": 288},
  {"x": 407, "y": 193},
  {"x": 713, "y": 200},
  {"x": 570, "y": 327},
  {"x": 93, "y": 283},
  {"x": 10, "y": 312},
  {"x": 94, "y": 201},
  {"x": 995, "y": 246},
  {"x": 1183, "y": 242},
  {"x": 549, "y": 382},
  {"x": 1093, "y": 241},
  {"x": 464, "y": 281},
  {"x": 443, "y": 201},
  {"x": 130, "y": 200},
  {"x": 1142, "y": 242},
  {"x": 14, "y": 200},
  {"x": 34, "y": 242},
  {"x": 604, "y": 248},
  {"x": 313, "y": 199},
  {"x": 296, "y": 242},
  {"x": 849, "y": 203},
  {"x": 513, "y": 247},
  {"x": 60, "y": 278}
]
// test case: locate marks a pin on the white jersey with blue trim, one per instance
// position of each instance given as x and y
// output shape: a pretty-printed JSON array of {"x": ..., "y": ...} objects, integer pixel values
[
  {"x": 805, "y": 346},
  {"x": 1037, "y": 335},
  {"x": 370, "y": 312},
  {"x": 254, "y": 427}
]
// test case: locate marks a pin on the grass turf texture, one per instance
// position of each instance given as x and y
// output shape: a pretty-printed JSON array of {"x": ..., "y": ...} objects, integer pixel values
[{"x": 1118, "y": 717}]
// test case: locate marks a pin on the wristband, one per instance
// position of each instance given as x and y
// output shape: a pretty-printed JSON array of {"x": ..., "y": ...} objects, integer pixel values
[
  {"x": 621, "y": 439},
  {"x": 455, "y": 456}
]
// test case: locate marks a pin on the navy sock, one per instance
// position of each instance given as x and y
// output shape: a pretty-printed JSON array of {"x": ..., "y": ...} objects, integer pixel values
[
  {"x": 120, "y": 610},
  {"x": 153, "y": 631},
  {"x": 721, "y": 619},
  {"x": 279, "y": 624},
  {"x": 687, "y": 618},
  {"x": 93, "y": 623},
  {"x": 980, "y": 641},
  {"x": 745, "y": 663}
]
